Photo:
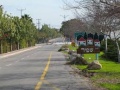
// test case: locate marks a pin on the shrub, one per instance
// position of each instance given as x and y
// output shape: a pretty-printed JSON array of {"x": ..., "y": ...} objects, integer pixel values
[{"x": 112, "y": 49}]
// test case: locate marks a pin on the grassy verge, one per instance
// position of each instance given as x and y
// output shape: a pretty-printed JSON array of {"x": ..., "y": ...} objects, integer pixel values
[
  {"x": 108, "y": 77},
  {"x": 72, "y": 47}
]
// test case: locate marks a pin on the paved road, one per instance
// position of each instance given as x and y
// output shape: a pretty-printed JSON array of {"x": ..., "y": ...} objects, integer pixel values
[{"x": 40, "y": 68}]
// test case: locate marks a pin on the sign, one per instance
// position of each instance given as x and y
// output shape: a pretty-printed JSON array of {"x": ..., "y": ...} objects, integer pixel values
[
  {"x": 88, "y": 49},
  {"x": 89, "y": 43}
]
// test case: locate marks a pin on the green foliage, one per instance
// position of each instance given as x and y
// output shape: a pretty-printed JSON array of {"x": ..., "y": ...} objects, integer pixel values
[
  {"x": 90, "y": 36},
  {"x": 72, "y": 47},
  {"x": 23, "y": 43},
  {"x": 111, "y": 86},
  {"x": 85, "y": 36},
  {"x": 101, "y": 37},
  {"x": 108, "y": 77},
  {"x": 5, "y": 47},
  {"x": 21, "y": 32},
  {"x": 95, "y": 36},
  {"x": 15, "y": 32},
  {"x": 47, "y": 33},
  {"x": 112, "y": 50}
]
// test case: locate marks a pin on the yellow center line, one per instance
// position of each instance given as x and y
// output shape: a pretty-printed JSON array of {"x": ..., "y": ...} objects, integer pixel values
[{"x": 39, "y": 84}]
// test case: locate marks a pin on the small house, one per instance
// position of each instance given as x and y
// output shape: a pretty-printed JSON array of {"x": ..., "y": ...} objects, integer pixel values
[
  {"x": 82, "y": 42},
  {"x": 97, "y": 43},
  {"x": 89, "y": 41}
]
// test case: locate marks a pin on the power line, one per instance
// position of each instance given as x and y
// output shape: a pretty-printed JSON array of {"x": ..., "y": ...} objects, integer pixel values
[
  {"x": 38, "y": 23},
  {"x": 21, "y": 10}
]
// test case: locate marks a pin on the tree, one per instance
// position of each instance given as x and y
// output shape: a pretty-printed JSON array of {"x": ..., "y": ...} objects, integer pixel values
[
  {"x": 71, "y": 26},
  {"x": 96, "y": 36},
  {"x": 101, "y": 37},
  {"x": 85, "y": 36},
  {"x": 47, "y": 33},
  {"x": 15, "y": 31},
  {"x": 101, "y": 15},
  {"x": 28, "y": 30},
  {"x": 90, "y": 35}
]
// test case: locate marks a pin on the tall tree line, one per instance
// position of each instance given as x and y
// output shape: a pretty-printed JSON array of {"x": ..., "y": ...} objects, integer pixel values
[
  {"x": 15, "y": 32},
  {"x": 20, "y": 32}
]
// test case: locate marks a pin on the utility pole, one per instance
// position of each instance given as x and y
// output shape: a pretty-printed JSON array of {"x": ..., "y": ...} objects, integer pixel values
[
  {"x": 38, "y": 23},
  {"x": 64, "y": 17},
  {"x": 21, "y": 10}
]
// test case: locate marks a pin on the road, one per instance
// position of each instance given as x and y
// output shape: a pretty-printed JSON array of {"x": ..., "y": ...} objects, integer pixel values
[{"x": 40, "y": 68}]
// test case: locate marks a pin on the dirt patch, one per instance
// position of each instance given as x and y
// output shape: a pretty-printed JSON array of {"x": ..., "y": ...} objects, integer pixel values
[{"x": 84, "y": 73}]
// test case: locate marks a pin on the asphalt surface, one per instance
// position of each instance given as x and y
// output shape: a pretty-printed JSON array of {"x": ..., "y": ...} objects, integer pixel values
[{"x": 39, "y": 68}]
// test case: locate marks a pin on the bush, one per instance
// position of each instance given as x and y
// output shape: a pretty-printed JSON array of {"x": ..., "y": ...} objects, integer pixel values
[{"x": 112, "y": 49}]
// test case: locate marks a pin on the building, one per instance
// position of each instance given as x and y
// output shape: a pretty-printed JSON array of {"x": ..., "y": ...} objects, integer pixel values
[
  {"x": 89, "y": 41},
  {"x": 96, "y": 43},
  {"x": 82, "y": 41}
]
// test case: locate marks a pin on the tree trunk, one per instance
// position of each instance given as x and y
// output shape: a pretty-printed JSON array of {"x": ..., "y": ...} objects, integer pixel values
[
  {"x": 11, "y": 45},
  {"x": 1, "y": 48},
  {"x": 18, "y": 46},
  {"x": 118, "y": 48},
  {"x": 27, "y": 44},
  {"x": 106, "y": 47},
  {"x": 119, "y": 56},
  {"x": 118, "y": 51}
]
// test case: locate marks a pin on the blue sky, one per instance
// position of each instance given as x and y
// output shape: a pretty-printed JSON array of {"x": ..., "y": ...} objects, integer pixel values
[{"x": 49, "y": 11}]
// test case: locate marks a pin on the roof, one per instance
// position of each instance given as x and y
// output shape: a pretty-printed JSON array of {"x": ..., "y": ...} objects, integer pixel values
[
  {"x": 89, "y": 39},
  {"x": 96, "y": 40},
  {"x": 81, "y": 39}
]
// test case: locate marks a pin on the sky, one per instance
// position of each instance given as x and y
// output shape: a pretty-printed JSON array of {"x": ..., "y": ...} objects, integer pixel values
[{"x": 49, "y": 12}]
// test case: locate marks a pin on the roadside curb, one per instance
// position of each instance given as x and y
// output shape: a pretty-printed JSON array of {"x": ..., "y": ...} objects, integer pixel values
[{"x": 17, "y": 51}]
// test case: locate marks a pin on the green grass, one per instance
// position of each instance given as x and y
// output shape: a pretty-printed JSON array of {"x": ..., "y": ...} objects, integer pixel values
[
  {"x": 72, "y": 47},
  {"x": 109, "y": 76},
  {"x": 111, "y": 86}
]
